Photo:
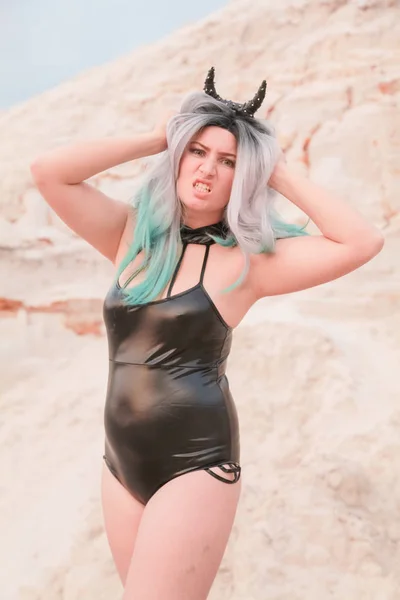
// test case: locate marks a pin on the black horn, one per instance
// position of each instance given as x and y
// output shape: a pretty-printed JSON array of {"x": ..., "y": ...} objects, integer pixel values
[
  {"x": 254, "y": 104},
  {"x": 248, "y": 108},
  {"x": 209, "y": 85}
]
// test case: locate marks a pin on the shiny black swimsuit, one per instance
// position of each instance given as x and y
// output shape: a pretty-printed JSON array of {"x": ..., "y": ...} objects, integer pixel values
[{"x": 169, "y": 409}]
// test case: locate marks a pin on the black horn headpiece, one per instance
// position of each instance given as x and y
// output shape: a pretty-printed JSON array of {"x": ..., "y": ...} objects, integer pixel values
[{"x": 248, "y": 108}]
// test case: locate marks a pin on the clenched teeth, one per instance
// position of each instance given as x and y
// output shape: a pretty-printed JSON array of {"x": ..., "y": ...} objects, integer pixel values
[{"x": 202, "y": 187}]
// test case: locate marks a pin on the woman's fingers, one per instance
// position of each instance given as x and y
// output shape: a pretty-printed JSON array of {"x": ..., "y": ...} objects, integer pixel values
[{"x": 160, "y": 128}]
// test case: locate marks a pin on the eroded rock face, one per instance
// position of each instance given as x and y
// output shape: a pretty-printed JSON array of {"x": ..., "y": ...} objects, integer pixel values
[{"x": 314, "y": 374}]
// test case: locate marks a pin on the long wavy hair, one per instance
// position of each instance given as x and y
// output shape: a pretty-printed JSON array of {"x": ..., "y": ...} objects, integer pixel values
[{"x": 250, "y": 216}]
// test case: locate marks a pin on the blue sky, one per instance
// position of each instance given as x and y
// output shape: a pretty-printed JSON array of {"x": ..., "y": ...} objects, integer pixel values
[{"x": 44, "y": 42}]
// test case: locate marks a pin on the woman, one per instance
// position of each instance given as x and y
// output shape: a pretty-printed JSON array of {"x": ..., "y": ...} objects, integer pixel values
[{"x": 201, "y": 245}]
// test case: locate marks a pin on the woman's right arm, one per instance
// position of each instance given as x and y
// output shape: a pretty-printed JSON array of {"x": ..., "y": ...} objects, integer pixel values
[{"x": 60, "y": 177}]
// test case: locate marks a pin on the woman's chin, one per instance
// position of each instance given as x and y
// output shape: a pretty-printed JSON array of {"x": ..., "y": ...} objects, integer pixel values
[
  {"x": 200, "y": 201},
  {"x": 196, "y": 202}
]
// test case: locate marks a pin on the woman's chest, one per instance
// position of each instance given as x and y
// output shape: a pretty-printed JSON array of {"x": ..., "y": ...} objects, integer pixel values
[{"x": 215, "y": 272}]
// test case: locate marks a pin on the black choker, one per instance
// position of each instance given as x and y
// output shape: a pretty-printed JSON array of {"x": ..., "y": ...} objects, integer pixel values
[{"x": 201, "y": 235}]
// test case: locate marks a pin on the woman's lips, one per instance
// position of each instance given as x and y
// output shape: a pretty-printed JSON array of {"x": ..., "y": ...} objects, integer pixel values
[
  {"x": 200, "y": 193},
  {"x": 202, "y": 183}
]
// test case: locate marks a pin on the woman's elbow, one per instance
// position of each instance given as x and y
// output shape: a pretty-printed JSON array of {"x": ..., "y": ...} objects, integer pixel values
[
  {"x": 39, "y": 172},
  {"x": 378, "y": 242},
  {"x": 372, "y": 244}
]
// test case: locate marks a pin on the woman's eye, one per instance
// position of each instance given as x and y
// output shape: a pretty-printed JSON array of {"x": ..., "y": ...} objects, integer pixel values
[
  {"x": 230, "y": 162},
  {"x": 195, "y": 150},
  {"x": 201, "y": 152}
]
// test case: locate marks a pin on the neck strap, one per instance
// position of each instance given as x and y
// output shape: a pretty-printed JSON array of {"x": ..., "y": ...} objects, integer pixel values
[{"x": 201, "y": 235}]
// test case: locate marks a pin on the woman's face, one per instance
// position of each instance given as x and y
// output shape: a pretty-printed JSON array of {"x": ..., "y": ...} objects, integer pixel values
[{"x": 206, "y": 174}]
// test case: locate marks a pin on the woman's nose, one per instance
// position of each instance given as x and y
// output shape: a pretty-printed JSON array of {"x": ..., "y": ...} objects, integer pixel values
[{"x": 208, "y": 167}]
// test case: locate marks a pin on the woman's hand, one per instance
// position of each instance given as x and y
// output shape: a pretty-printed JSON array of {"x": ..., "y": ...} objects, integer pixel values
[
  {"x": 160, "y": 129},
  {"x": 278, "y": 173}
]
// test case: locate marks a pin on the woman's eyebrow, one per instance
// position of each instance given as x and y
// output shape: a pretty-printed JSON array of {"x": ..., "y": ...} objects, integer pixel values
[{"x": 207, "y": 148}]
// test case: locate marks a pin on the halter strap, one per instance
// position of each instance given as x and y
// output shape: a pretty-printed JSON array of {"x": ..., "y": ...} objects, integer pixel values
[
  {"x": 203, "y": 267},
  {"x": 176, "y": 270}
]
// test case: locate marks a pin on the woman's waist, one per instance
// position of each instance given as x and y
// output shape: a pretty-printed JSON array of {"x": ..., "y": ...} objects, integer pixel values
[
  {"x": 183, "y": 385},
  {"x": 169, "y": 359}
]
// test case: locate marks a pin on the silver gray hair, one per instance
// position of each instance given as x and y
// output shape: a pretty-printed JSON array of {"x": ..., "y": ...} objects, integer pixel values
[{"x": 250, "y": 213}]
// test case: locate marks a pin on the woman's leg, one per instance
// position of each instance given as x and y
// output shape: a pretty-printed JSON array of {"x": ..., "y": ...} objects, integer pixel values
[
  {"x": 121, "y": 514},
  {"x": 182, "y": 538}
]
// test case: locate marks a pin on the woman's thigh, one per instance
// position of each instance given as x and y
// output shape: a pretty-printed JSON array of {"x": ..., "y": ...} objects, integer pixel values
[
  {"x": 121, "y": 514},
  {"x": 182, "y": 538}
]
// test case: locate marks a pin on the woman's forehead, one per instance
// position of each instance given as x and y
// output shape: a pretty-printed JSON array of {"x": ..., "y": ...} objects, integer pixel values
[{"x": 216, "y": 138}]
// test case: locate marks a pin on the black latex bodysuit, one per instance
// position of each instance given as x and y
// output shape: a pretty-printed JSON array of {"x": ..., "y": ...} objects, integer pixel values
[{"x": 168, "y": 408}]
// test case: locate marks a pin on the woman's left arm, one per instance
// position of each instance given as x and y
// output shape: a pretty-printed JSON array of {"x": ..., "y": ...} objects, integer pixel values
[{"x": 347, "y": 241}]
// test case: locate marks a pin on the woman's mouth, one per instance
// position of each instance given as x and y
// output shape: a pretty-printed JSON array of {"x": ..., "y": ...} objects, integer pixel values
[{"x": 201, "y": 187}]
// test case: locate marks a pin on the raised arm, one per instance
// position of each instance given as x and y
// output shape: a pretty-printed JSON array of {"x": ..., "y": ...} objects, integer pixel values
[
  {"x": 60, "y": 177},
  {"x": 347, "y": 241}
]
